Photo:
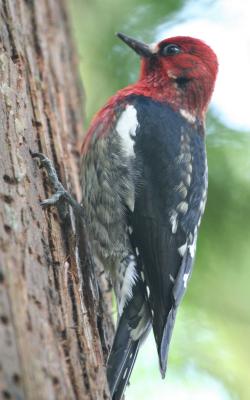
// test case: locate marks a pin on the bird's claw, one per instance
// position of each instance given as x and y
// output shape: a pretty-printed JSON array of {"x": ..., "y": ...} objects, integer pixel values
[
  {"x": 53, "y": 200},
  {"x": 60, "y": 192},
  {"x": 47, "y": 164}
]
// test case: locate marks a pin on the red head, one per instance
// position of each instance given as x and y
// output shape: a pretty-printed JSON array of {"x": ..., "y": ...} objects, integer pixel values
[{"x": 180, "y": 70}]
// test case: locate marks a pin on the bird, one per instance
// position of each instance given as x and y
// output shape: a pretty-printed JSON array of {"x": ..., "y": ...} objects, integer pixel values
[{"x": 144, "y": 180}]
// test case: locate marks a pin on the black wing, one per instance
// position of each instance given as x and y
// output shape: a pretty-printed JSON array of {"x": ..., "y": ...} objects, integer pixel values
[{"x": 171, "y": 186}]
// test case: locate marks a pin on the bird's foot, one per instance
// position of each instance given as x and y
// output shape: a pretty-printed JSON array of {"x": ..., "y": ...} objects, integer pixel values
[{"x": 61, "y": 194}]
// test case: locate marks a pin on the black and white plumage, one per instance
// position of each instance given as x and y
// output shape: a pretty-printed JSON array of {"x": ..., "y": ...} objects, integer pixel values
[
  {"x": 144, "y": 195},
  {"x": 144, "y": 180}
]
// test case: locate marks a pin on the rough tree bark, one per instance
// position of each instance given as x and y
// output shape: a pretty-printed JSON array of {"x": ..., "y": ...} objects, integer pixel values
[{"x": 55, "y": 324}]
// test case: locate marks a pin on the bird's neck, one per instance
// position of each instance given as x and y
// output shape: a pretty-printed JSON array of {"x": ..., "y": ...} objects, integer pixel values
[{"x": 190, "y": 96}]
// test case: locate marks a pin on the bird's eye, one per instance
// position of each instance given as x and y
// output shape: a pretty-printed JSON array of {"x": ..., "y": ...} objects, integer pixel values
[{"x": 170, "y": 50}]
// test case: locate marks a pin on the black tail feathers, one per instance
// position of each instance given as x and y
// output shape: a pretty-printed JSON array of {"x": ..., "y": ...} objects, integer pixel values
[
  {"x": 163, "y": 344},
  {"x": 133, "y": 325},
  {"x": 120, "y": 366}
]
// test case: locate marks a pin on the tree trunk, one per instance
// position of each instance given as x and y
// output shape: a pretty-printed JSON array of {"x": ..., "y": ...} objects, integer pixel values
[{"x": 55, "y": 324}]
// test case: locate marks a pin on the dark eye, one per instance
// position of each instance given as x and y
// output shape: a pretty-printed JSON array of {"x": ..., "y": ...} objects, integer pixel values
[{"x": 170, "y": 49}]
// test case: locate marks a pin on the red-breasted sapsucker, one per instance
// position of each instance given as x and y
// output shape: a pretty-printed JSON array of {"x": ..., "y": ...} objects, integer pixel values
[{"x": 144, "y": 181}]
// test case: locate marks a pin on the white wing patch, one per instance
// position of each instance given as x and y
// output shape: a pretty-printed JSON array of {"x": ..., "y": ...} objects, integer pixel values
[
  {"x": 174, "y": 220},
  {"x": 192, "y": 247},
  {"x": 126, "y": 129},
  {"x": 182, "y": 249},
  {"x": 185, "y": 280},
  {"x": 188, "y": 116}
]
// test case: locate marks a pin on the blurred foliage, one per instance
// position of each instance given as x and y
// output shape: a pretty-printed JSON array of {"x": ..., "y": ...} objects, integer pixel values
[
  {"x": 105, "y": 63},
  {"x": 213, "y": 327}
]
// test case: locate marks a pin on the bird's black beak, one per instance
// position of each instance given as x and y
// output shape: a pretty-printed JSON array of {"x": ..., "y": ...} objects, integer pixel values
[{"x": 139, "y": 47}]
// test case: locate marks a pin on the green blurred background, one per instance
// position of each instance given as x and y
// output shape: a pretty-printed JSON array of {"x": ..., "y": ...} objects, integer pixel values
[{"x": 210, "y": 350}]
